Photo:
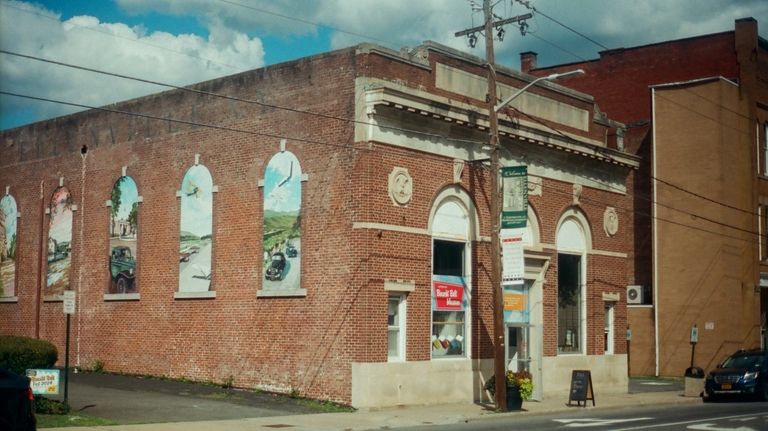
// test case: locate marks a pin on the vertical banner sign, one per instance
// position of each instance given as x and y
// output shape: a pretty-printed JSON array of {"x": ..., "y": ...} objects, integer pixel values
[
  {"x": 69, "y": 302},
  {"x": 513, "y": 259},
  {"x": 514, "y": 191}
]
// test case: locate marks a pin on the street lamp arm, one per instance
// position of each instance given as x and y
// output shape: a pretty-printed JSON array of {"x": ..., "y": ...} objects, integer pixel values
[{"x": 551, "y": 77}]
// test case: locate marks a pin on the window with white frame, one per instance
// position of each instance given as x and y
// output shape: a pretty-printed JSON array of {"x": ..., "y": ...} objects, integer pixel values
[
  {"x": 765, "y": 148},
  {"x": 573, "y": 241},
  {"x": 396, "y": 327},
  {"x": 608, "y": 337}
]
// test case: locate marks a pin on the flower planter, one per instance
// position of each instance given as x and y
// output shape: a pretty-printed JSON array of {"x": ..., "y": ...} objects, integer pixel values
[{"x": 514, "y": 400}]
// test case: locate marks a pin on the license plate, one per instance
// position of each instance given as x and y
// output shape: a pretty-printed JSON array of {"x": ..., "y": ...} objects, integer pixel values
[{"x": 725, "y": 386}]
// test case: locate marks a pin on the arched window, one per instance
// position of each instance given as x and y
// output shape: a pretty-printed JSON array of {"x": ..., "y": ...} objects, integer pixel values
[
  {"x": 196, "y": 230},
  {"x": 282, "y": 226},
  {"x": 8, "y": 216},
  {"x": 123, "y": 233},
  {"x": 573, "y": 242},
  {"x": 452, "y": 225},
  {"x": 59, "y": 242}
]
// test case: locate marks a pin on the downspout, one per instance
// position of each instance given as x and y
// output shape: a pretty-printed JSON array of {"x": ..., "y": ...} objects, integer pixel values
[
  {"x": 43, "y": 255},
  {"x": 84, "y": 156},
  {"x": 655, "y": 245}
]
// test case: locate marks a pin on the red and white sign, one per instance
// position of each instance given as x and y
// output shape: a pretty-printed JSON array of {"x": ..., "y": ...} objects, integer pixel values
[{"x": 448, "y": 296}]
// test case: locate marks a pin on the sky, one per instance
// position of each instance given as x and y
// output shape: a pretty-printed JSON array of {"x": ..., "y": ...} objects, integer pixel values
[{"x": 182, "y": 42}]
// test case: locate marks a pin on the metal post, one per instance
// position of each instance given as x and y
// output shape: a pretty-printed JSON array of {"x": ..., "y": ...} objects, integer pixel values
[{"x": 66, "y": 363}]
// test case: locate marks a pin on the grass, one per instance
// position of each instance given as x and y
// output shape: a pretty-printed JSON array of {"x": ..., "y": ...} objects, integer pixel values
[{"x": 70, "y": 420}]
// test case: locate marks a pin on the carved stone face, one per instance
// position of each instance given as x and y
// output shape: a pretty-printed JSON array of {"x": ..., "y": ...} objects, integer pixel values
[{"x": 400, "y": 186}]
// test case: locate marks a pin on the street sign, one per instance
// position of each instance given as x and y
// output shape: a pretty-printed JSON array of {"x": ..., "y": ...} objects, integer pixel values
[
  {"x": 694, "y": 335},
  {"x": 69, "y": 302}
]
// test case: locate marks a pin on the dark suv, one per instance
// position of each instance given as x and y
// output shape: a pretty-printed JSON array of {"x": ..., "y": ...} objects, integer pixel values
[
  {"x": 743, "y": 373},
  {"x": 16, "y": 410}
]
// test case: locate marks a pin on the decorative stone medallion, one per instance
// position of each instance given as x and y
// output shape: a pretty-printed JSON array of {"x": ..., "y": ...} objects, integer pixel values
[
  {"x": 400, "y": 186},
  {"x": 610, "y": 221}
]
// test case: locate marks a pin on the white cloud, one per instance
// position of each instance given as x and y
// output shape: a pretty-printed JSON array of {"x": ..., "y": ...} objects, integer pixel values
[{"x": 177, "y": 59}]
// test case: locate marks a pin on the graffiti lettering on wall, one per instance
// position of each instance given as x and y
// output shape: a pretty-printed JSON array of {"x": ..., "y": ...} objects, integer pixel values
[
  {"x": 123, "y": 231},
  {"x": 196, "y": 230},
  {"x": 8, "y": 216},
  {"x": 59, "y": 242},
  {"x": 282, "y": 222}
]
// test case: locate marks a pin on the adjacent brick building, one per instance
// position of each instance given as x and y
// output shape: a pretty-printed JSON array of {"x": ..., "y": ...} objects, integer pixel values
[
  {"x": 375, "y": 291},
  {"x": 695, "y": 111}
]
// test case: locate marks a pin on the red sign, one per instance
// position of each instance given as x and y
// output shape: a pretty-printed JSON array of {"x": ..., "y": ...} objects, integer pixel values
[{"x": 448, "y": 296}]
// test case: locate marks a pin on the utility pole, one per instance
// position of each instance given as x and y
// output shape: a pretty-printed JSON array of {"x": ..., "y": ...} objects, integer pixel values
[{"x": 499, "y": 366}]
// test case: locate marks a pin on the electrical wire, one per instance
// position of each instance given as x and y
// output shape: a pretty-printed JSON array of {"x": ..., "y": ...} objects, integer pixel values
[{"x": 534, "y": 9}]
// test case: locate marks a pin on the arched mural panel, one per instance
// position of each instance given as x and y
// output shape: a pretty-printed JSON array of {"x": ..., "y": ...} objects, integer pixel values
[
  {"x": 123, "y": 232},
  {"x": 59, "y": 243},
  {"x": 8, "y": 215},
  {"x": 282, "y": 222},
  {"x": 195, "y": 236}
]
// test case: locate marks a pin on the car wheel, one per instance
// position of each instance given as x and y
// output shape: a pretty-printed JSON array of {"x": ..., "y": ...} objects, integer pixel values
[{"x": 122, "y": 284}]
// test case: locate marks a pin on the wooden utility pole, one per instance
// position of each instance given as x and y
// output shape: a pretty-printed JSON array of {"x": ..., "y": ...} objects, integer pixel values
[{"x": 499, "y": 365}]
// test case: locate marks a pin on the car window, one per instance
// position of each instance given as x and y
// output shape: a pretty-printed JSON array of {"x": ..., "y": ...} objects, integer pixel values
[{"x": 744, "y": 361}]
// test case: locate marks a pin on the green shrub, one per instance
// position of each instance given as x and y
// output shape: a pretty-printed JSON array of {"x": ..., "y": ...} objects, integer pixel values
[
  {"x": 20, "y": 353},
  {"x": 47, "y": 406}
]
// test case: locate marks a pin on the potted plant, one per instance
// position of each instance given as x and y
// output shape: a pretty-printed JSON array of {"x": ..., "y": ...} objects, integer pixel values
[{"x": 519, "y": 388}]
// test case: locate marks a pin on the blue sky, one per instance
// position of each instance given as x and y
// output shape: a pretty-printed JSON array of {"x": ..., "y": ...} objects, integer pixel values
[{"x": 186, "y": 41}]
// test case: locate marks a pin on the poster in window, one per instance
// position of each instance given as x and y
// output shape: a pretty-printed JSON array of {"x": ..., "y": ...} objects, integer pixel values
[
  {"x": 8, "y": 216},
  {"x": 123, "y": 229},
  {"x": 282, "y": 223},
  {"x": 448, "y": 293},
  {"x": 59, "y": 242},
  {"x": 196, "y": 233}
]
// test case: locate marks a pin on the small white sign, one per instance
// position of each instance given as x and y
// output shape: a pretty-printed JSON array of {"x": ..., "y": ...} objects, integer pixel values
[
  {"x": 513, "y": 259},
  {"x": 69, "y": 302},
  {"x": 43, "y": 381}
]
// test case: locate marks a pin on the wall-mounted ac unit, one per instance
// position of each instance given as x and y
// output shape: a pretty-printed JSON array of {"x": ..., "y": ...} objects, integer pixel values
[{"x": 634, "y": 294}]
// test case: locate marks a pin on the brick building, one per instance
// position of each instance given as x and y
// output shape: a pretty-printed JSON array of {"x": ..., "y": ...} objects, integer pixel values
[
  {"x": 695, "y": 111},
  {"x": 321, "y": 227}
]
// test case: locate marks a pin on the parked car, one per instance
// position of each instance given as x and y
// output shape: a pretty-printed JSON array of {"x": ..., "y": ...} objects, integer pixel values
[
  {"x": 16, "y": 410},
  {"x": 290, "y": 250},
  {"x": 743, "y": 373},
  {"x": 122, "y": 266},
  {"x": 276, "y": 268}
]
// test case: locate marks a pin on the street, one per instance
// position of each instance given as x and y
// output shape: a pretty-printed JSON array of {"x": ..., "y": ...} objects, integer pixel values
[{"x": 725, "y": 416}]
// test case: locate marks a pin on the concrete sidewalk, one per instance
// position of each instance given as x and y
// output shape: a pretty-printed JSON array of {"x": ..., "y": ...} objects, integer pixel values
[{"x": 654, "y": 394}]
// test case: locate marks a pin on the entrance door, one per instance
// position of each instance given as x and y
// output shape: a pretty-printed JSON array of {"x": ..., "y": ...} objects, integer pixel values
[{"x": 518, "y": 356}]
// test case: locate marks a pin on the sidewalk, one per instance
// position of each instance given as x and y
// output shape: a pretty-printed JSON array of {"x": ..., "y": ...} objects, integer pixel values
[{"x": 410, "y": 416}]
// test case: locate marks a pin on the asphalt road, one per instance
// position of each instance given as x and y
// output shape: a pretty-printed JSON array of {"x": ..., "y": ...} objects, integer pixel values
[
  {"x": 727, "y": 416},
  {"x": 128, "y": 400}
]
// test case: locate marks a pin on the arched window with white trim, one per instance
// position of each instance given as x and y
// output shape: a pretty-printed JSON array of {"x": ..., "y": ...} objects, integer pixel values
[
  {"x": 452, "y": 224},
  {"x": 573, "y": 241}
]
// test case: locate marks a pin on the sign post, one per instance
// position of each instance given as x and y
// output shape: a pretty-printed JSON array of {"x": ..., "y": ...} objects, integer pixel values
[{"x": 69, "y": 310}]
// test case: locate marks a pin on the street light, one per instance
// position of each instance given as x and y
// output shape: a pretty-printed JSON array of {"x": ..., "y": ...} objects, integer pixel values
[
  {"x": 499, "y": 365},
  {"x": 551, "y": 77}
]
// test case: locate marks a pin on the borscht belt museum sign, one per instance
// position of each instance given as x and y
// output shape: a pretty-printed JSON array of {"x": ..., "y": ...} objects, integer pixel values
[{"x": 449, "y": 305}]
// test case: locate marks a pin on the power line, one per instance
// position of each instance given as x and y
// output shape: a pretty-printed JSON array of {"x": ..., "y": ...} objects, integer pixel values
[{"x": 527, "y": 4}]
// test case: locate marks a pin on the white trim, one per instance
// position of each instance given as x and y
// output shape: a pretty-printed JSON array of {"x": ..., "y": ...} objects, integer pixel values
[
  {"x": 401, "y": 326},
  {"x": 208, "y": 294},
  {"x": 280, "y": 293},
  {"x": 122, "y": 297},
  {"x": 400, "y": 285},
  {"x": 9, "y": 299},
  {"x": 389, "y": 227},
  {"x": 655, "y": 228}
]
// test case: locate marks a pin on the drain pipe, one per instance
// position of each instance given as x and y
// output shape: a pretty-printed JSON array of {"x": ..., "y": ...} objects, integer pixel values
[{"x": 43, "y": 255}]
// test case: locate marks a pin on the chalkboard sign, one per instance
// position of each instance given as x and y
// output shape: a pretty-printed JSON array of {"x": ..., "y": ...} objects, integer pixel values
[{"x": 581, "y": 388}]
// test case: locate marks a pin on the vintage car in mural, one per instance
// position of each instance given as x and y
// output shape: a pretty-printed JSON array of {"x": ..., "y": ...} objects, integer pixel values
[
  {"x": 290, "y": 250},
  {"x": 122, "y": 267},
  {"x": 57, "y": 250},
  {"x": 276, "y": 269},
  {"x": 185, "y": 253}
]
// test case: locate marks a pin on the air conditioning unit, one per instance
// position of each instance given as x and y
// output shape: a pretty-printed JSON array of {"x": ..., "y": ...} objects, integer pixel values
[{"x": 634, "y": 294}]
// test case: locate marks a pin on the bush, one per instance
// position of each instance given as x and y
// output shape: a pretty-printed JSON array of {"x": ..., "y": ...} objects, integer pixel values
[
  {"x": 20, "y": 353},
  {"x": 47, "y": 406}
]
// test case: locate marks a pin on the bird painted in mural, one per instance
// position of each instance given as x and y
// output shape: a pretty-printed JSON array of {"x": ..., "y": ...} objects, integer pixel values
[
  {"x": 193, "y": 190},
  {"x": 286, "y": 179}
]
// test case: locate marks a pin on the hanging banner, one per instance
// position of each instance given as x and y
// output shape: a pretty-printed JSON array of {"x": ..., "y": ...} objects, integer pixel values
[
  {"x": 513, "y": 259},
  {"x": 514, "y": 192},
  {"x": 448, "y": 293},
  {"x": 516, "y": 304}
]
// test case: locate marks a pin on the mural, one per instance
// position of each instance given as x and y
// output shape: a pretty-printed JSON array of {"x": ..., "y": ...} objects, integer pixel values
[
  {"x": 123, "y": 229},
  {"x": 59, "y": 242},
  {"x": 8, "y": 216},
  {"x": 196, "y": 230},
  {"x": 282, "y": 222}
]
